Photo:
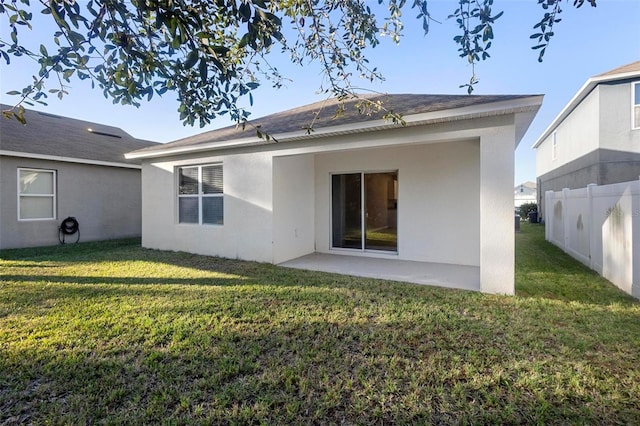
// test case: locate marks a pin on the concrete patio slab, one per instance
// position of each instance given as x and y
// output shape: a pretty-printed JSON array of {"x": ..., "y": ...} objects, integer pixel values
[{"x": 436, "y": 274}]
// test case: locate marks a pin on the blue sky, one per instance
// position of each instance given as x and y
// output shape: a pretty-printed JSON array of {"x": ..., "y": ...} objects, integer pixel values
[{"x": 588, "y": 41}]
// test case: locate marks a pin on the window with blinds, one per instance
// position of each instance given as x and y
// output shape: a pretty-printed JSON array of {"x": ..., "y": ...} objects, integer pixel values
[
  {"x": 201, "y": 195},
  {"x": 36, "y": 194}
]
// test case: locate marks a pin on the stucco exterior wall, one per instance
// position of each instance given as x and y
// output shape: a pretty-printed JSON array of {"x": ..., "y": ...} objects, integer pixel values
[
  {"x": 293, "y": 207},
  {"x": 497, "y": 239},
  {"x": 438, "y": 198},
  {"x": 455, "y": 203},
  {"x": 247, "y": 229},
  {"x": 616, "y": 131},
  {"x": 106, "y": 201},
  {"x": 576, "y": 136}
]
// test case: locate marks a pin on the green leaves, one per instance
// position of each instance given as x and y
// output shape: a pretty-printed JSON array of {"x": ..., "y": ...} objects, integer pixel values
[
  {"x": 545, "y": 26},
  {"x": 549, "y": 19},
  {"x": 475, "y": 20},
  {"x": 244, "y": 12},
  {"x": 15, "y": 113},
  {"x": 76, "y": 39},
  {"x": 192, "y": 58},
  {"x": 204, "y": 71},
  {"x": 212, "y": 53}
]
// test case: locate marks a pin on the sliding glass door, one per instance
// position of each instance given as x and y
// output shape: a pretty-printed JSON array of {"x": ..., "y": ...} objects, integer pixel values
[
  {"x": 381, "y": 211},
  {"x": 364, "y": 211},
  {"x": 347, "y": 210}
]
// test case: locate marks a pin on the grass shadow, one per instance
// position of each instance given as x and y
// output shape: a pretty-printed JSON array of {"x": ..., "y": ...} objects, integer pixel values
[
  {"x": 187, "y": 339},
  {"x": 265, "y": 366},
  {"x": 542, "y": 270},
  {"x": 182, "y": 269}
]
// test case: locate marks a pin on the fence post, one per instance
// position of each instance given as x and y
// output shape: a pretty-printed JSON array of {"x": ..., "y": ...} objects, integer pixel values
[
  {"x": 565, "y": 222},
  {"x": 591, "y": 225},
  {"x": 635, "y": 241},
  {"x": 548, "y": 216}
]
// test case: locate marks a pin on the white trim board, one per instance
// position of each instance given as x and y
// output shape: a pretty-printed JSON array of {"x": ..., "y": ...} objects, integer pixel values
[{"x": 68, "y": 159}]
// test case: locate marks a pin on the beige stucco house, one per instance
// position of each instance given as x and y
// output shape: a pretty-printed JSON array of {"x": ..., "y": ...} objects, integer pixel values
[
  {"x": 436, "y": 190},
  {"x": 595, "y": 138},
  {"x": 55, "y": 167}
]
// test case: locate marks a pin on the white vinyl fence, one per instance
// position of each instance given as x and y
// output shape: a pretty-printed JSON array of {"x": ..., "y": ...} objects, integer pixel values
[{"x": 599, "y": 226}]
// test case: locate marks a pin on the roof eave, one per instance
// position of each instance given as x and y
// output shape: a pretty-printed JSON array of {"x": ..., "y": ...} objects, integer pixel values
[
  {"x": 68, "y": 159},
  {"x": 578, "y": 98},
  {"x": 512, "y": 106}
]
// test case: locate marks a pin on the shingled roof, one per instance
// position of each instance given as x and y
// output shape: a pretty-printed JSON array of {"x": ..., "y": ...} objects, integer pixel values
[
  {"x": 48, "y": 135},
  {"x": 628, "y": 68},
  {"x": 323, "y": 116}
]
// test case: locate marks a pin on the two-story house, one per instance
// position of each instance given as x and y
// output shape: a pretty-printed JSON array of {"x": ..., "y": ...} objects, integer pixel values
[
  {"x": 524, "y": 193},
  {"x": 595, "y": 138}
]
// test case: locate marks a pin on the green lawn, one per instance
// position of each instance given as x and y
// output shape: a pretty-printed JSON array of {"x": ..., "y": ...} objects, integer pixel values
[{"x": 112, "y": 333}]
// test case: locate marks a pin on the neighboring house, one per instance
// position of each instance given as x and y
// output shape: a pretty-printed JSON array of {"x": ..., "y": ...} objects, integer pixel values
[
  {"x": 435, "y": 190},
  {"x": 524, "y": 193},
  {"x": 54, "y": 167},
  {"x": 595, "y": 138}
]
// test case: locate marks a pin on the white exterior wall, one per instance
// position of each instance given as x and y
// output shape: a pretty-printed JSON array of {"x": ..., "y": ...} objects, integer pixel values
[
  {"x": 247, "y": 229},
  {"x": 455, "y": 201},
  {"x": 616, "y": 131},
  {"x": 293, "y": 207},
  {"x": 576, "y": 136},
  {"x": 438, "y": 198},
  {"x": 497, "y": 239}
]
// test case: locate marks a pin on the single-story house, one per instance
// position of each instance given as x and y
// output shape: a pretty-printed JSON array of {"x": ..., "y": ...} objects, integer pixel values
[
  {"x": 436, "y": 189},
  {"x": 57, "y": 167}
]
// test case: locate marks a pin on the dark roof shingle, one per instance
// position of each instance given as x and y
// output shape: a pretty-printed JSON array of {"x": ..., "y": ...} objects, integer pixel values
[
  {"x": 54, "y": 135},
  {"x": 322, "y": 114}
]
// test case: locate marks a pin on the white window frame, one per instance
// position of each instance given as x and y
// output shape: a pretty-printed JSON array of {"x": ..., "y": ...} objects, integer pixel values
[
  {"x": 634, "y": 86},
  {"x": 200, "y": 195},
  {"x": 554, "y": 146},
  {"x": 53, "y": 195}
]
